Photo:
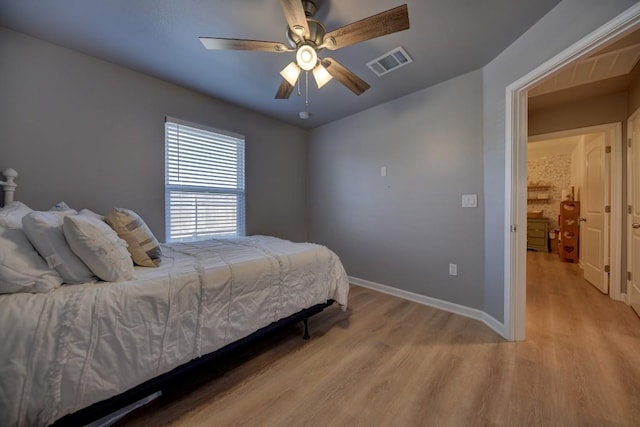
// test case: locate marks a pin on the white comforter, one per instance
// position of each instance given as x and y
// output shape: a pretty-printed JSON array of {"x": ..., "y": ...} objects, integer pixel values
[{"x": 80, "y": 344}]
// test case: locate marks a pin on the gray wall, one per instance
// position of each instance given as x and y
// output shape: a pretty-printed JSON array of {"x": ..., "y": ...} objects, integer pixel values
[
  {"x": 564, "y": 25},
  {"x": 598, "y": 110},
  {"x": 92, "y": 133},
  {"x": 404, "y": 229}
]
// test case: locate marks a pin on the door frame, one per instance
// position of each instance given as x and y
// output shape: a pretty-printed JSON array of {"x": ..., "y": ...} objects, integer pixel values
[
  {"x": 613, "y": 132},
  {"x": 634, "y": 116},
  {"x": 515, "y": 209}
]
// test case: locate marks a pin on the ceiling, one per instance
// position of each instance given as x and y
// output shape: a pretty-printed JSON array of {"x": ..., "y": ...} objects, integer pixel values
[
  {"x": 447, "y": 38},
  {"x": 552, "y": 147},
  {"x": 610, "y": 69}
]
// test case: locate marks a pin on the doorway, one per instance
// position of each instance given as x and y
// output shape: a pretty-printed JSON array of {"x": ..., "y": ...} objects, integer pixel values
[
  {"x": 581, "y": 168},
  {"x": 517, "y": 136}
]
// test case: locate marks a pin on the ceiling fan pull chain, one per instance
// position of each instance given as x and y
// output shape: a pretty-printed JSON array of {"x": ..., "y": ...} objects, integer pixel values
[{"x": 306, "y": 79}]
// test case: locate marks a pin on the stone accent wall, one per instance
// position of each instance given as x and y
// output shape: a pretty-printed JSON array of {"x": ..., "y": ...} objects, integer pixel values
[{"x": 554, "y": 171}]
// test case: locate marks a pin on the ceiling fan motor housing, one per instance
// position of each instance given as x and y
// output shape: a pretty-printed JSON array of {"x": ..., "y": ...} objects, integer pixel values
[{"x": 316, "y": 34}]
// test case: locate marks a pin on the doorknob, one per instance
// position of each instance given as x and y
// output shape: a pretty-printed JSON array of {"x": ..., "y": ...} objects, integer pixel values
[
  {"x": 582, "y": 219},
  {"x": 636, "y": 225}
]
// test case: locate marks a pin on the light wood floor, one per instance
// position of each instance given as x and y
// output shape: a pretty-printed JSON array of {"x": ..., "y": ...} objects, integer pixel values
[{"x": 389, "y": 362}]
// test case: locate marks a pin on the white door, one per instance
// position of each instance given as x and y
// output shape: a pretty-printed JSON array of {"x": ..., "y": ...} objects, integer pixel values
[
  {"x": 633, "y": 225},
  {"x": 592, "y": 213}
]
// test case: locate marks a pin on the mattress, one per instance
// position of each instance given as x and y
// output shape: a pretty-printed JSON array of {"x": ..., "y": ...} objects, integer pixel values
[{"x": 81, "y": 344}]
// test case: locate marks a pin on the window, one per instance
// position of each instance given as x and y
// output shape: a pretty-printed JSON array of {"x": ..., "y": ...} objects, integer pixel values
[{"x": 204, "y": 182}]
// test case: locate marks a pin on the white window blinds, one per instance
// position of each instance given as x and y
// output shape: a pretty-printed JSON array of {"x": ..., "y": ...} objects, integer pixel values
[{"x": 204, "y": 182}]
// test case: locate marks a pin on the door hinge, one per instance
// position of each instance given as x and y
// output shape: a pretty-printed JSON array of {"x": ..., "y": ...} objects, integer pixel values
[
  {"x": 629, "y": 142},
  {"x": 607, "y": 149},
  {"x": 513, "y": 228},
  {"x": 629, "y": 209},
  {"x": 607, "y": 269},
  {"x": 607, "y": 209},
  {"x": 628, "y": 275}
]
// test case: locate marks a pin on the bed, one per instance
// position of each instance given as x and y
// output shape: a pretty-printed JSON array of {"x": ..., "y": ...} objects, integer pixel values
[{"x": 80, "y": 345}]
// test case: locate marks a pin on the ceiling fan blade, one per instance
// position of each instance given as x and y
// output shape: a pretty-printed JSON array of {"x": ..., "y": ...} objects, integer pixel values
[
  {"x": 295, "y": 16},
  {"x": 345, "y": 76},
  {"x": 284, "y": 91},
  {"x": 240, "y": 44},
  {"x": 389, "y": 22}
]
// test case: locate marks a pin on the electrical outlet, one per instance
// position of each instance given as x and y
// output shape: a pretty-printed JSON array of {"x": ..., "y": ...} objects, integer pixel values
[{"x": 453, "y": 269}]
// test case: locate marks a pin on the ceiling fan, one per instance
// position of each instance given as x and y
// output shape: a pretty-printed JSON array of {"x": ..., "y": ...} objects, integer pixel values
[{"x": 307, "y": 36}]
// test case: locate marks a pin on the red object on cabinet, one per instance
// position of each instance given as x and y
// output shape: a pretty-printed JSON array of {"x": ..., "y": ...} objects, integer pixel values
[{"x": 569, "y": 232}]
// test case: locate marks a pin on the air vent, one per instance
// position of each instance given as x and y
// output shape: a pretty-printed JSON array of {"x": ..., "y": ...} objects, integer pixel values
[{"x": 390, "y": 61}]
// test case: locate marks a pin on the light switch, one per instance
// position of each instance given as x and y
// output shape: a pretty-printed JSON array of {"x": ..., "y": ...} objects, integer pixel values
[
  {"x": 469, "y": 200},
  {"x": 453, "y": 269},
  {"x": 383, "y": 171}
]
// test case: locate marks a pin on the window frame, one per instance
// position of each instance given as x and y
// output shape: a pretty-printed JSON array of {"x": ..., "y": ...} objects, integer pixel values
[{"x": 239, "y": 191}]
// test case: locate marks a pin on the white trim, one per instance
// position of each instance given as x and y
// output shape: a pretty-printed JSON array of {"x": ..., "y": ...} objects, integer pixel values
[
  {"x": 516, "y": 161},
  {"x": 461, "y": 310},
  {"x": 199, "y": 162},
  {"x": 204, "y": 127},
  {"x": 625, "y": 296},
  {"x": 516, "y": 210},
  {"x": 616, "y": 216},
  {"x": 632, "y": 117}
]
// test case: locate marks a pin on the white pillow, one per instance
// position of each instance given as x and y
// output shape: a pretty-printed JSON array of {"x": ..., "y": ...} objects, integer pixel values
[
  {"x": 44, "y": 231},
  {"x": 95, "y": 243},
  {"x": 60, "y": 207},
  {"x": 11, "y": 215},
  {"x": 21, "y": 268},
  {"x": 97, "y": 215}
]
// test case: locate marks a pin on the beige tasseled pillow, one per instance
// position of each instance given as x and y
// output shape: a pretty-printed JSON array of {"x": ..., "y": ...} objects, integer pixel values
[{"x": 143, "y": 246}]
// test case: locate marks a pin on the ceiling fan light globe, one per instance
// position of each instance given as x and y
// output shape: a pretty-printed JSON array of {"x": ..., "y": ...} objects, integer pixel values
[
  {"x": 291, "y": 73},
  {"x": 306, "y": 57},
  {"x": 321, "y": 75}
]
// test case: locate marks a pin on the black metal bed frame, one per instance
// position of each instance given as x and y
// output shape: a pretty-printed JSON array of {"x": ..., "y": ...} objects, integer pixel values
[{"x": 103, "y": 408}]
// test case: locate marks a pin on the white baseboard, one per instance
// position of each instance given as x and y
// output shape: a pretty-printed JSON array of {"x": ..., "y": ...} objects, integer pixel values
[
  {"x": 622, "y": 296},
  {"x": 462, "y": 310}
]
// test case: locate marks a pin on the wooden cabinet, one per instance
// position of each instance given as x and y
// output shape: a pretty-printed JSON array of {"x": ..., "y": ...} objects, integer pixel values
[
  {"x": 569, "y": 220},
  {"x": 538, "y": 234}
]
